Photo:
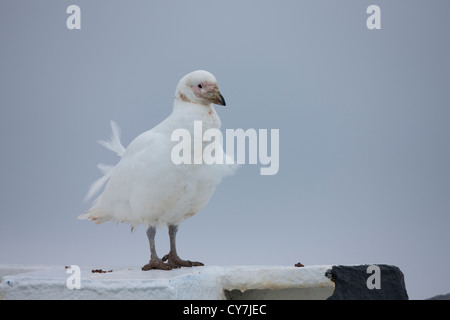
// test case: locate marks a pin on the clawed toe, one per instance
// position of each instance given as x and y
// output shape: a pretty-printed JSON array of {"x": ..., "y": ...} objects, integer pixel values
[
  {"x": 156, "y": 264},
  {"x": 175, "y": 262}
]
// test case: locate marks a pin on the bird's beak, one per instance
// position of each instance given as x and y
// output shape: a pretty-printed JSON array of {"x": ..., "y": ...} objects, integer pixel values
[
  {"x": 218, "y": 99},
  {"x": 215, "y": 97}
]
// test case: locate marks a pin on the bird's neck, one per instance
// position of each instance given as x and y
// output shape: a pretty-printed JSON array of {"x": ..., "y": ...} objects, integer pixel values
[{"x": 189, "y": 112}]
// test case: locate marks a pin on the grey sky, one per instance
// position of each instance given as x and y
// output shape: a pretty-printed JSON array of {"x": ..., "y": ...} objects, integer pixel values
[{"x": 364, "y": 120}]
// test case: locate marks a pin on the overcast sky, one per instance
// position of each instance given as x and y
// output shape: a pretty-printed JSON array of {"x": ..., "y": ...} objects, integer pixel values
[{"x": 363, "y": 118}]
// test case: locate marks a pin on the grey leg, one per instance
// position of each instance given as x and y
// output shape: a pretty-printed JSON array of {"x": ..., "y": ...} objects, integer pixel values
[
  {"x": 155, "y": 262},
  {"x": 173, "y": 260}
]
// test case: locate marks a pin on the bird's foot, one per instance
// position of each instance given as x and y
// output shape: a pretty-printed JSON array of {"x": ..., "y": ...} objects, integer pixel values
[
  {"x": 156, "y": 264},
  {"x": 174, "y": 261}
]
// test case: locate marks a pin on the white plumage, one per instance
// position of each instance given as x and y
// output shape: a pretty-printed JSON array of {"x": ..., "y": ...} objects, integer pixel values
[{"x": 146, "y": 187}]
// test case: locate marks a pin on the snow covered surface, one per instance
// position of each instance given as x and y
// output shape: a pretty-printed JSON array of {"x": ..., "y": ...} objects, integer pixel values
[{"x": 209, "y": 282}]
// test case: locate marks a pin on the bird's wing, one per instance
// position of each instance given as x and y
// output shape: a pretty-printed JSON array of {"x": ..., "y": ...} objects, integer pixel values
[{"x": 142, "y": 155}]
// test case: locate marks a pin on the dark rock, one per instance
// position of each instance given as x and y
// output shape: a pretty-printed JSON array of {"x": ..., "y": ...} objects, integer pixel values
[
  {"x": 364, "y": 283},
  {"x": 440, "y": 297}
]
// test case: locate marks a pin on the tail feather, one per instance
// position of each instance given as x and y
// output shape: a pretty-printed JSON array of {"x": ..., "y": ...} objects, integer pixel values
[
  {"x": 105, "y": 168},
  {"x": 115, "y": 145},
  {"x": 98, "y": 184},
  {"x": 89, "y": 216}
]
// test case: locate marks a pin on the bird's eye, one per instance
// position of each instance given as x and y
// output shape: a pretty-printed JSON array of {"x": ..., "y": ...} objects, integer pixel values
[{"x": 200, "y": 85}]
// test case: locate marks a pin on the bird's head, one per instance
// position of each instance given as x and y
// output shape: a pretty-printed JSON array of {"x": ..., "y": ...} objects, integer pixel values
[{"x": 199, "y": 87}]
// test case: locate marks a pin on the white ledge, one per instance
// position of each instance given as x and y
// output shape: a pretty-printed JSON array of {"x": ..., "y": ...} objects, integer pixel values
[{"x": 210, "y": 282}]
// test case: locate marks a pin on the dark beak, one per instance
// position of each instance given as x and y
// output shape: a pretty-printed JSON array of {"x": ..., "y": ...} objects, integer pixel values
[{"x": 218, "y": 99}]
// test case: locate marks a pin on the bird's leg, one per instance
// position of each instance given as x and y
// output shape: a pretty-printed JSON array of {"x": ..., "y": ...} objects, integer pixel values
[
  {"x": 173, "y": 260},
  {"x": 155, "y": 262}
]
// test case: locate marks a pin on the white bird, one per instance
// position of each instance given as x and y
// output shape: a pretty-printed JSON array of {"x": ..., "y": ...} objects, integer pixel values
[{"x": 146, "y": 187}]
